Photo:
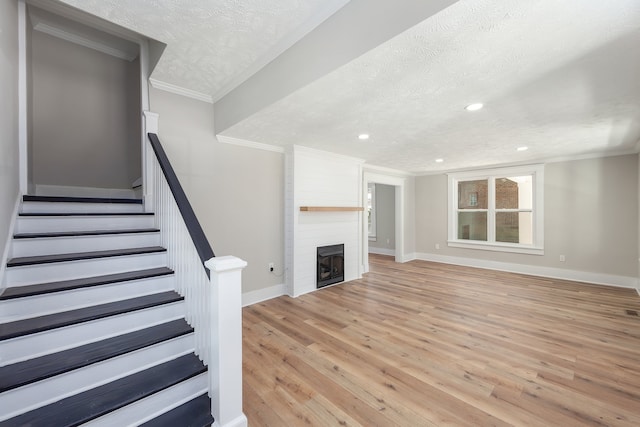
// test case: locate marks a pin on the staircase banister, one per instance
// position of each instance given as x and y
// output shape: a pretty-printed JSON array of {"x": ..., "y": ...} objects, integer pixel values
[{"x": 193, "y": 225}]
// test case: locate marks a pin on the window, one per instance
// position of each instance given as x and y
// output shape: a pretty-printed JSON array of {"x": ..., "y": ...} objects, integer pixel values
[
  {"x": 371, "y": 210},
  {"x": 498, "y": 209}
]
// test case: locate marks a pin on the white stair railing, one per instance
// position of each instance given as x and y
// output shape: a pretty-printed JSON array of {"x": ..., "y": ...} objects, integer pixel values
[{"x": 211, "y": 287}]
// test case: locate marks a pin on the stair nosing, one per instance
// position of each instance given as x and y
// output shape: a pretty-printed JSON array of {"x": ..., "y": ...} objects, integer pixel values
[
  {"x": 45, "y": 235},
  {"x": 86, "y": 314},
  {"x": 154, "y": 335},
  {"x": 76, "y": 403},
  {"x": 70, "y": 199},
  {"x": 206, "y": 419},
  {"x": 66, "y": 214},
  {"x": 81, "y": 256},
  {"x": 84, "y": 282}
]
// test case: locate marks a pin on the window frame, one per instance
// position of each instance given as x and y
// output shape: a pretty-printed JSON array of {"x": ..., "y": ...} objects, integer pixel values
[{"x": 537, "y": 173}]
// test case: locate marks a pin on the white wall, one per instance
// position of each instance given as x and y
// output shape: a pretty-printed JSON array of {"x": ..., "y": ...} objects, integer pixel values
[
  {"x": 85, "y": 116},
  {"x": 9, "y": 180},
  {"x": 591, "y": 217},
  {"x": 317, "y": 178},
  {"x": 385, "y": 220},
  {"x": 236, "y": 192}
]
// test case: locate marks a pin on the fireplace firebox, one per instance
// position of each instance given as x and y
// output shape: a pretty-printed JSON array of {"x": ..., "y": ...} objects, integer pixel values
[{"x": 330, "y": 267}]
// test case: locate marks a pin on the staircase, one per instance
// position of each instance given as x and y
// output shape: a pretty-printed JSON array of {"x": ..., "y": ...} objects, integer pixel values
[{"x": 91, "y": 329}]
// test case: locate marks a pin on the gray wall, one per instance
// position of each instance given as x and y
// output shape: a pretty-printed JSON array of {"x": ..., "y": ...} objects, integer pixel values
[
  {"x": 591, "y": 217},
  {"x": 86, "y": 113},
  {"x": 410, "y": 230},
  {"x": 9, "y": 180},
  {"x": 385, "y": 217},
  {"x": 236, "y": 192}
]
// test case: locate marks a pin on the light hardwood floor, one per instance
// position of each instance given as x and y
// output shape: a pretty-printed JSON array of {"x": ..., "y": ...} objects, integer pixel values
[{"x": 427, "y": 344}]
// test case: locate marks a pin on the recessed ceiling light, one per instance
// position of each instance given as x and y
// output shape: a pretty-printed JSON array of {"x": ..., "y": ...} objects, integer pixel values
[
  {"x": 439, "y": 160},
  {"x": 474, "y": 107},
  {"x": 363, "y": 136},
  {"x": 522, "y": 148}
]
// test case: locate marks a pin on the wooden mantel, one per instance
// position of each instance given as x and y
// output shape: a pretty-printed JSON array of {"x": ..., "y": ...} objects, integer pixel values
[{"x": 331, "y": 209}]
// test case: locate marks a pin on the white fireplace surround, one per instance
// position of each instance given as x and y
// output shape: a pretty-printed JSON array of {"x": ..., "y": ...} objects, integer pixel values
[{"x": 318, "y": 178}]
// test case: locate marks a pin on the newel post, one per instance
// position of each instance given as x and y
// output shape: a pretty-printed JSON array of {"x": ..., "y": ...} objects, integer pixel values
[
  {"x": 225, "y": 366},
  {"x": 149, "y": 125}
]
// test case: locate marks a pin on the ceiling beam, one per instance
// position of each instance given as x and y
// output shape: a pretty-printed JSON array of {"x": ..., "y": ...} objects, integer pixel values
[{"x": 358, "y": 27}]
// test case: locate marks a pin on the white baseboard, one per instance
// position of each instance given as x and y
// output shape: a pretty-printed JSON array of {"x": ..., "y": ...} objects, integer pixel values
[
  {"x": 69, "y": 191},
  {"x": 409, "y": 257},
  {"x": 253, "y": 297},
  {"x": 382, "y": 251},
  {"x": 6, "y": 253},
  {"x": 550, "y": 272}
]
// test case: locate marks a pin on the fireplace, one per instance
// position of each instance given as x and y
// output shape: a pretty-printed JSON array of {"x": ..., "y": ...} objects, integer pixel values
[{"x": 330, "y": 266}]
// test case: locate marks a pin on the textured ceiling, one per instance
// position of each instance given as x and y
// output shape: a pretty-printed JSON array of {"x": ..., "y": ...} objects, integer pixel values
[
  {"x": 212, "y": 42},
  {"x": 557, "y": 76},
  {"x": 560, "y": 77}
]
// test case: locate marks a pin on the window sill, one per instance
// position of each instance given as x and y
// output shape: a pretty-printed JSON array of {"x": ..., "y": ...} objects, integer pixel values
[{"x": 497, "y": 247}]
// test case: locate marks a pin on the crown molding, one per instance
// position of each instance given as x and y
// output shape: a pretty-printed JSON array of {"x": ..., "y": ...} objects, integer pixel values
[
  {"x": 82, "y": 41},
  {"x": 249, "y": 144},
  {"x": 178, "y": 90},
  {"x": 542, "y": 160},
  {"x": 86, "y": 19}
]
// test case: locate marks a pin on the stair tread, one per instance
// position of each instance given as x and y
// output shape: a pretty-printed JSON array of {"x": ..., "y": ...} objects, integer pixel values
[
  {"x": 65, "y": 285},
  {"x": 66, "y": 318},
  {"x": 47, "y": 259},
  {"x": 45, "y": 214},
  {"x": 65, "y": 199},
  {"x": 32, "y": 370},
  {"x": 194, "y": 413},
  {"x": 91, "y": 404},
  {"x": 84, "y": 233}
]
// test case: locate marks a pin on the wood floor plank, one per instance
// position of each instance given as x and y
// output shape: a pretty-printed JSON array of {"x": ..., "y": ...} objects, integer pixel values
[{"x": 428, "y": 344}]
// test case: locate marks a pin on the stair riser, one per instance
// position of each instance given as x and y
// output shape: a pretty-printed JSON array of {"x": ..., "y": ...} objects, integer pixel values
[
  {"x": 40, "y": 305},
  {"x": 38, "y": 224},
  {"x": 57, "y": 271},
  {"x": 62, "y": 245},
  {"x": 154, "y": 405},
  {"x": 56, "y": 207},
  {"x": 35, "y": 345},
  {"x": 44, "y": 392}
]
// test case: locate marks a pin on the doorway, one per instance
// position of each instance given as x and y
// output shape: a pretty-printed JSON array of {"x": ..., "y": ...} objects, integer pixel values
[{"x": 391, "y": 190}]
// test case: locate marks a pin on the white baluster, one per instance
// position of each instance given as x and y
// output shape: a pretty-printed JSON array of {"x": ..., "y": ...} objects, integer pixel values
[{"x": 213, "y": 306}]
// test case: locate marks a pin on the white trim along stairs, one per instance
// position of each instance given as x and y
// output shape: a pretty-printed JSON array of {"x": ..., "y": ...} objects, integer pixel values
[{"x": 91, "y": 329}]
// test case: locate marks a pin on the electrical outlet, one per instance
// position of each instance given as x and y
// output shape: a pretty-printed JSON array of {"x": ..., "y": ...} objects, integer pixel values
[
  {"x": 561, "y": 258},
  {"x": 437, "y": 245},
  {"x": 272, "y": 267}
]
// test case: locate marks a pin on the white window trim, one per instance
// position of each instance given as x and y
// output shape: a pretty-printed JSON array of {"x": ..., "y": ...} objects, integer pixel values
[{"x": 537, "y": 248}]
